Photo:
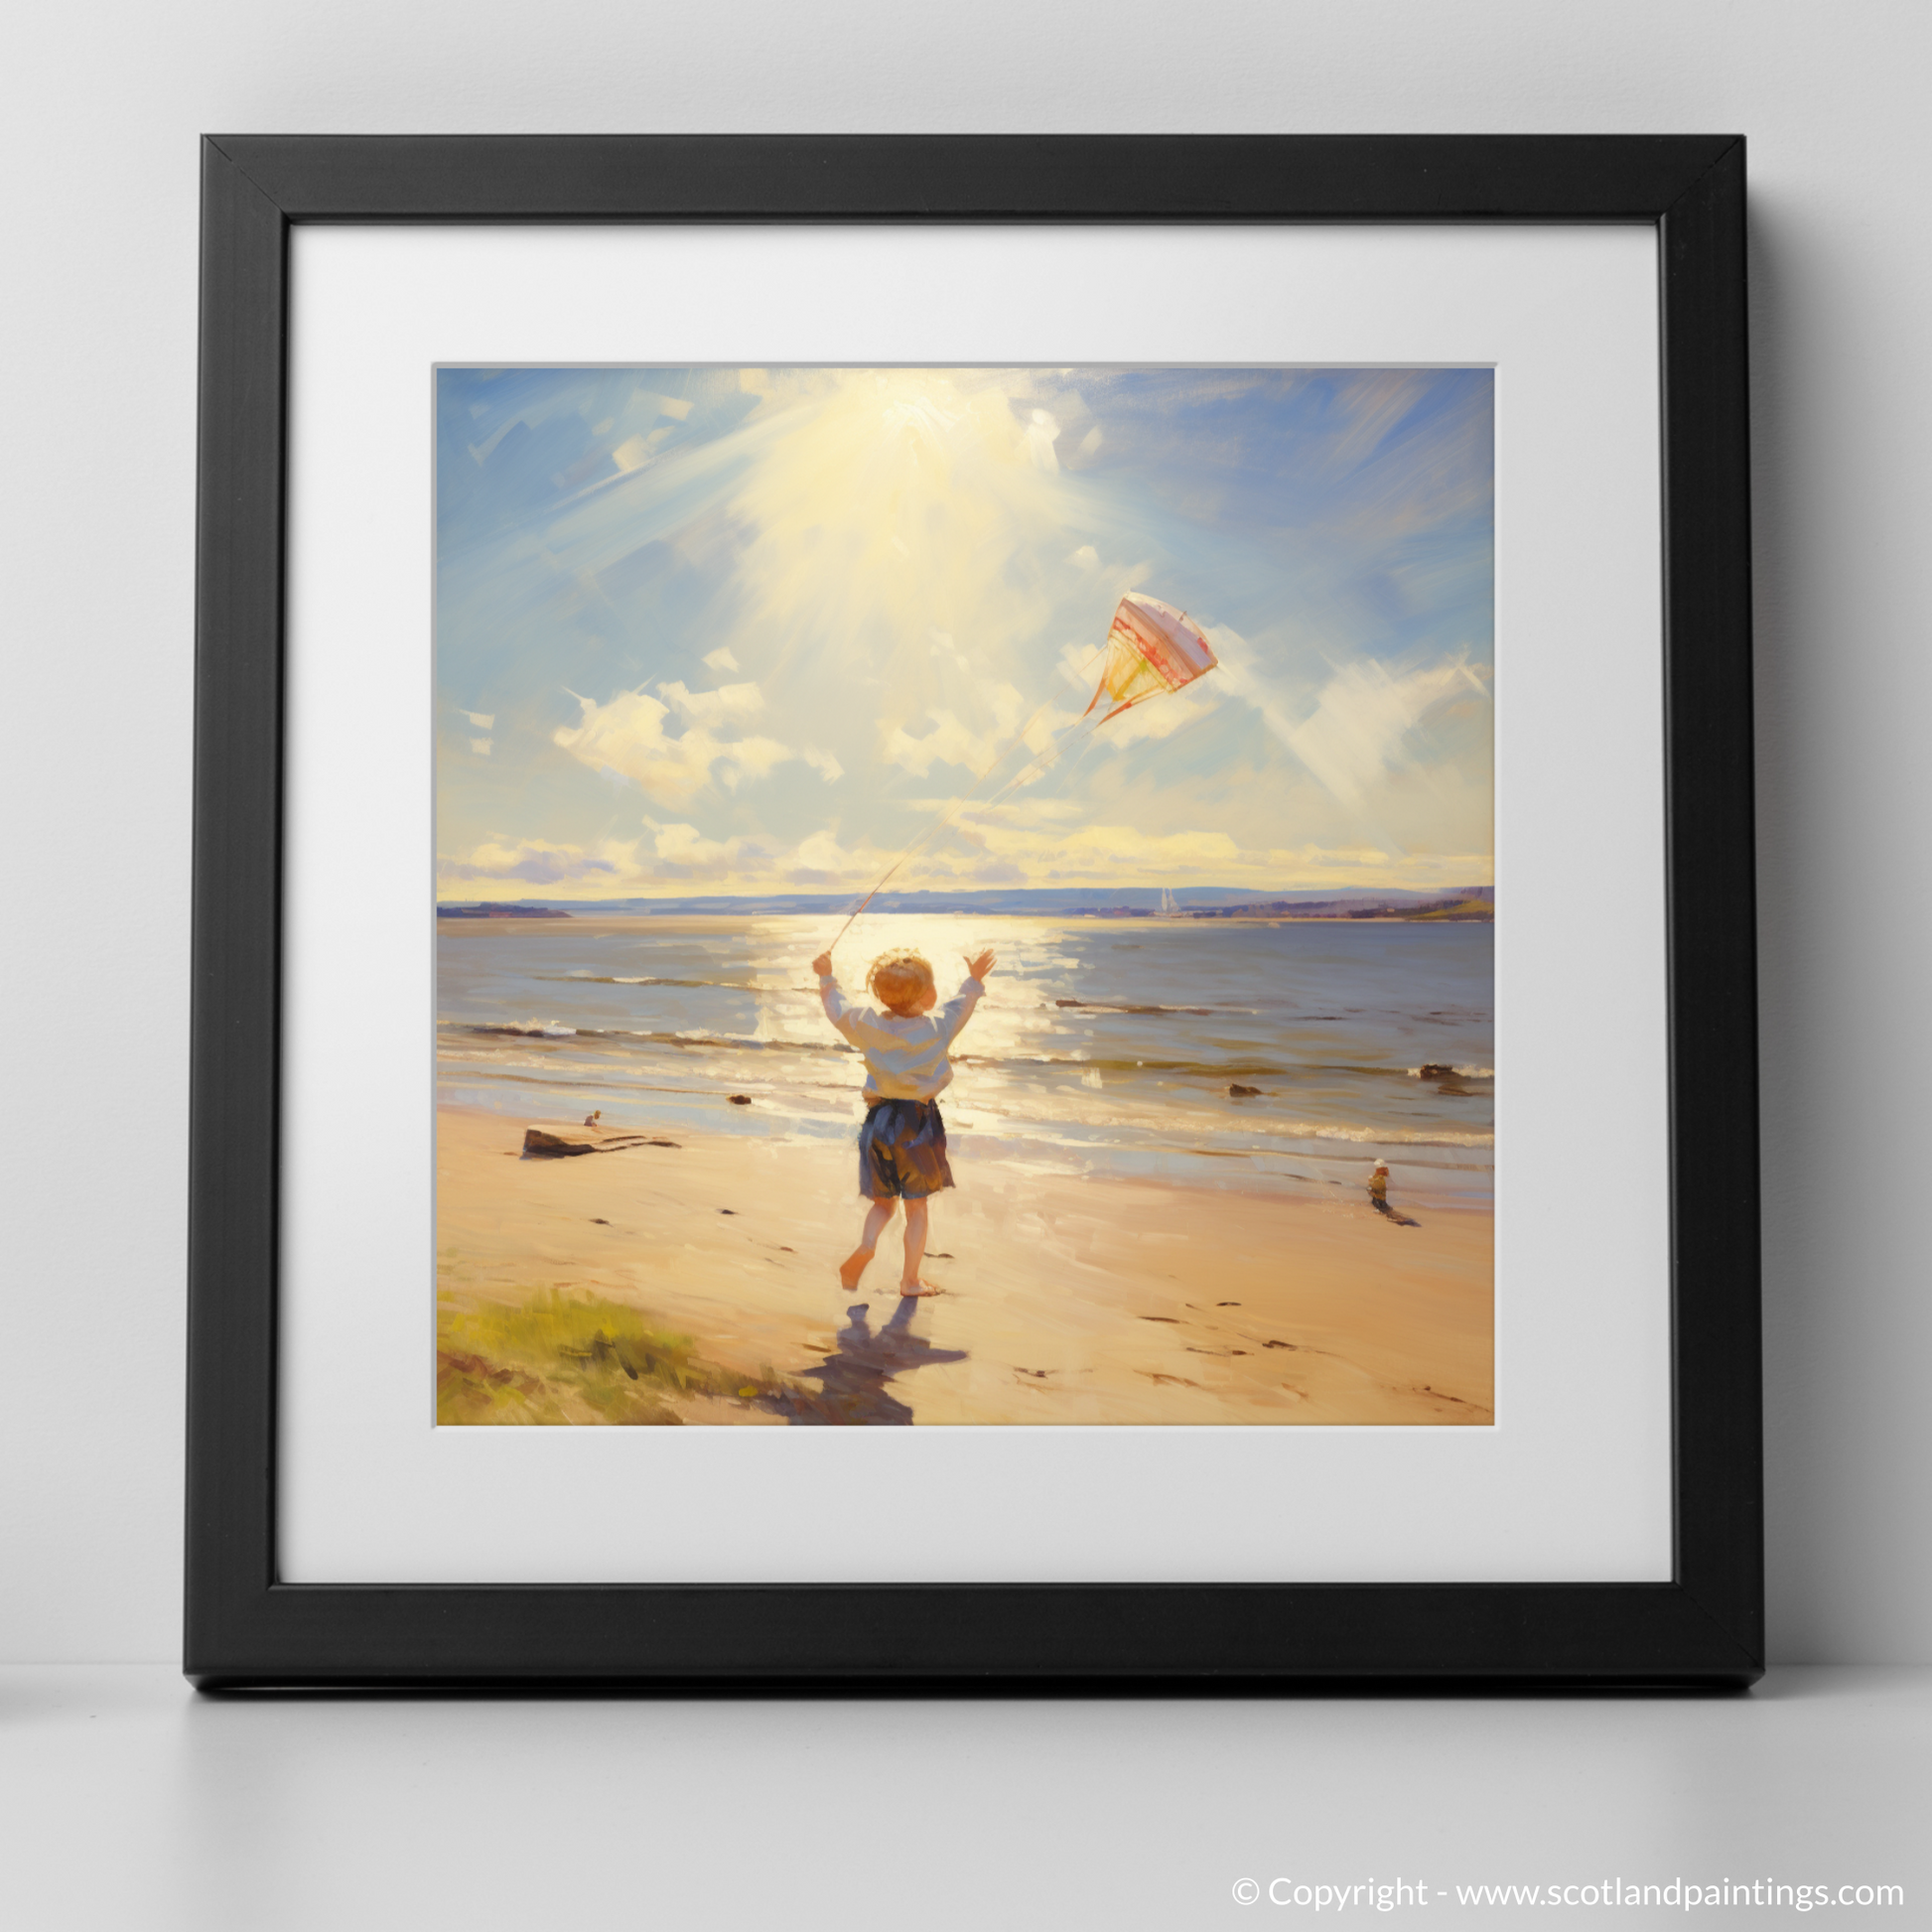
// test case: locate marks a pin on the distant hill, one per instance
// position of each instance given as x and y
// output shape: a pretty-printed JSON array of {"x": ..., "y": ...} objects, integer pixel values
[
  {"x": 521, "y": 909},
  {"x": 1187, "y": 902},
  {"x": 1459, "y": 902}
]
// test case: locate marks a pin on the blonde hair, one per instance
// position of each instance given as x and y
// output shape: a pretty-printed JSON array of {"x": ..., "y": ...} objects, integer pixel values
[{"x": 898, "y": 978}]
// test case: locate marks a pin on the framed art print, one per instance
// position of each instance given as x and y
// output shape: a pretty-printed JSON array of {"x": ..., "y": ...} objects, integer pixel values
[
  {"x": 965, "y": 908},
  {"x": 1003, "y": 756}
]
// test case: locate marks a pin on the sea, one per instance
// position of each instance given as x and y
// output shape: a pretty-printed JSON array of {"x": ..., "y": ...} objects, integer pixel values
[{"x": 1104, "y": 1045}]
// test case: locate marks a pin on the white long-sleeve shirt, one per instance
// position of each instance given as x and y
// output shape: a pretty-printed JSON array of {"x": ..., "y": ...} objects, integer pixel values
[{"x": 906, "y": 1053}]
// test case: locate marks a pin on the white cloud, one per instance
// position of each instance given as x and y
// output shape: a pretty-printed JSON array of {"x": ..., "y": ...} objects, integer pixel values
[
  {"x": 627, "y": 737},
  {"x": 947, "y": 743},
  {"x": 1001, "y": 850},
  {"x": 1004, "y": 845},
  {"x": 825, "y": 765},
  {"x": 1111, "y": 850},
  {"x": 730, "y": 703},
  {"x": 721, "y": 659},
  {"x": 682, "y": 852},
  {"x": 538, "y": 862},
  {"x": 685, "y": 847},
  {"x": 1155, "y": 717},
  {"x": 822, "y": 856},
  {"x": 1358, "y": 729},
  {"x": 1087, "y": 557},
  {"x": 484, "y": 721},
  {"x": 1019, "y": 811},
  {"x": 749, "y": 757},
  {"x": 952, "y": 742},
  {"x": 671, "y": 856},
  {"x": 1364, "y": 714},
  {"x": 673, "y": 406},
  {"x": 481, "y": 745}
]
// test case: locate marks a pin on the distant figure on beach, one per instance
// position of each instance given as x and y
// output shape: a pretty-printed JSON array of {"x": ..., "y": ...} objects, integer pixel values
[
  {"x": 902, "y": 1143},
  {"x": 591, "y": 1120},
  {"x": 1378, "y": 1196}
]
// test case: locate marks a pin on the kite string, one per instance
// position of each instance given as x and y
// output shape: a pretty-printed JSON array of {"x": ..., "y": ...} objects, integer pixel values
[
  {"x": 1080, "y": 733},
  {"x": 1081, "y": 730},
  {"x": 960, "y": 803},
  {"x": 934, "y": 830}
]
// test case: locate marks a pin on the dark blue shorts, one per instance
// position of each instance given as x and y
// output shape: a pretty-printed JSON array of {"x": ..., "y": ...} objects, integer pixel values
[{"x": 902, "y": 1151}]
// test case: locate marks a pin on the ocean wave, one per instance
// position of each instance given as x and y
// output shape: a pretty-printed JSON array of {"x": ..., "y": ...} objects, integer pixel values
[
  {"x": 698, "y": 1039},
  {"x": 1433, "y": 1071},
  {"x": 1122, "y": 1005},
  {"x": 648, "y": 979},
  {"x": 1043, "y": 1133},
  {"x": 695, "y": 1036},
  {"x": 1384, "y": 1136},
  {"x": 1232, "y": 1067},
  {"x": 1277, "y": 1142}
]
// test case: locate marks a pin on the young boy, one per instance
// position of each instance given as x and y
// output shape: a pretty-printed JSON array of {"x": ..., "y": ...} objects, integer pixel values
[{"x": 903, "y": 1145}]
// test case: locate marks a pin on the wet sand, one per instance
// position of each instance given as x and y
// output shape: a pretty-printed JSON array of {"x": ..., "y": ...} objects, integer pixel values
[{"x": 1067, "y": 1299}]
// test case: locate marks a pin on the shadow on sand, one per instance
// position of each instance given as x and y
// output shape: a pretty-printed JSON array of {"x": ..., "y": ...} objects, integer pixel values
[{"x": 852, "y": 1379}]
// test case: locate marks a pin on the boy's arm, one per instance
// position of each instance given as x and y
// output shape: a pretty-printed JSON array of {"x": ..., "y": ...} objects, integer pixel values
[
  {"x": 830, "y": 998},
  {"x": 959, "y": 1009}
]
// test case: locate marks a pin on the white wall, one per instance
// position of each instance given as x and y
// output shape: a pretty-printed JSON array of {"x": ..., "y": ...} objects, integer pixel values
[{"x": 96, "y": 502}]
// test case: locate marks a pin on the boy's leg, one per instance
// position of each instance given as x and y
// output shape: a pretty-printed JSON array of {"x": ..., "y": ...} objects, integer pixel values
[
  {"x": 915, "y": 1227},
  {"x": 854, "y": 1265}
]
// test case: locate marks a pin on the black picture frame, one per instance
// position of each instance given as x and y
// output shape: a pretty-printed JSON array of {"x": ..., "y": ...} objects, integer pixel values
[{"x": 244, "y": 1628}]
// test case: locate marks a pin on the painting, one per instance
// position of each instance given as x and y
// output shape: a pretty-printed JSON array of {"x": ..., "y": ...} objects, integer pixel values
[{"x": 964, "y": 896}]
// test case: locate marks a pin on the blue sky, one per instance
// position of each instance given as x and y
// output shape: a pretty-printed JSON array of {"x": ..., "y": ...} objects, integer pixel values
[{"x": 747, "y": 630}]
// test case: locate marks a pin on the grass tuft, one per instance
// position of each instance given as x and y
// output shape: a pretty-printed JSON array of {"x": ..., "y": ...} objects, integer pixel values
[{"x": 564, "y": 1358}]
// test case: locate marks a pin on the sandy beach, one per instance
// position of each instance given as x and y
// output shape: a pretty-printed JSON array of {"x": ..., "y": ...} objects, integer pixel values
[{"x": 697, "y": 1284}]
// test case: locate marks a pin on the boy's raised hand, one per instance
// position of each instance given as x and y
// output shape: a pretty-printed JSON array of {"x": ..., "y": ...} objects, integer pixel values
[
  {"x": 822, "y": 965},
  {"x": 982, "y": 963}
]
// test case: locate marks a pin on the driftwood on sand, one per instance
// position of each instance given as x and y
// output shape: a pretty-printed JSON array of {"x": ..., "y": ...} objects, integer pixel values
[{"x": 554, "y": 1143}]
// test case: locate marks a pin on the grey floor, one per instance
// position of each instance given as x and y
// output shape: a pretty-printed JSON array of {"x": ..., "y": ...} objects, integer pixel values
[{"x": 127, "y": 1801}]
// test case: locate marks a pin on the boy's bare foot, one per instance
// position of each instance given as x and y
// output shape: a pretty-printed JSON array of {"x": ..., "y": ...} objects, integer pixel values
[
  {"x": 852, "y": 1266},
  {"x": 913, "y": 1290}
]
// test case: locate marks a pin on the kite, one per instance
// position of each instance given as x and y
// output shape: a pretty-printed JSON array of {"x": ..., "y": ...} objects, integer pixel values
[{"x": 1151, "y": 650}]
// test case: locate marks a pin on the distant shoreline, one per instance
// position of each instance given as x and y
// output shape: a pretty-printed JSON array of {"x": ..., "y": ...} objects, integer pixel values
[
  {"x": 1192, "y": 918},
  {"x": 1461, "y": 904}
]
